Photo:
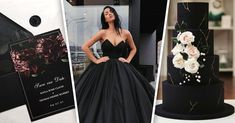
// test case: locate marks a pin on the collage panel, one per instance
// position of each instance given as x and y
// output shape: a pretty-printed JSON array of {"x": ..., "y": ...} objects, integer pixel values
[
  {"x": 115, "y": 51},
  {"x": 36, "y": 83},
  {"x": 197, "y": 71}
]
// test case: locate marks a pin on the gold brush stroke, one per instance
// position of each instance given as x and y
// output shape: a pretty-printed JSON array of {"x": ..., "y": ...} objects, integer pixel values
[
  {"x": 213, "y": 69},
  {"x": 203, "y": 19},
  {"x": 192, "y": 105},
  {"x": 186, "y": 6},
  {"x": 212, "y": 66},
  {"x": 171, "y": 78},
  {"x": 206, "y": 36},
  {"x": 199, "y": 42}
]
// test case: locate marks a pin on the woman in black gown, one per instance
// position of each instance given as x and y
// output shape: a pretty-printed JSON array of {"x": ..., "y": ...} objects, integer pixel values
[{"x": 111, "y": 90}]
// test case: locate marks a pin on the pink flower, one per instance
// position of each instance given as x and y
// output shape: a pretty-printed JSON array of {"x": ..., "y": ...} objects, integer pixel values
[
  {"x": 178, "y": 61},
  {"x": 191, "y": 66},
  {"x": 177, "y": 49},
  {"x": 192, "y": 51},
  {"x": 186, "y": 37}
]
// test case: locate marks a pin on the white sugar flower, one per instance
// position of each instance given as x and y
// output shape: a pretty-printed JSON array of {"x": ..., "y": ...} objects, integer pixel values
[
  {"x": 191, "y": 66},
  {"x": 178, "y": 61},
  {"x": 178, "y": 36},
  {"x": 186, "y": 37},
  {"x": 177, "y": 49},
  {"x": 192, "y": 51}
]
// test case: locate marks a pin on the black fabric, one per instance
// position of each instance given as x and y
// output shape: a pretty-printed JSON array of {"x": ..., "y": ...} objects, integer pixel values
[
  {"x": 147, "y": 72},
  {"x": 113, "y": 91}
]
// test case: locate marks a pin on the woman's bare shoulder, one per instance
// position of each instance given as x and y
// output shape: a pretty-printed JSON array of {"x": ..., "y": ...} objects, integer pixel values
[
  {"x": 126, "y": 32},
  {"x": 101, "y": 31},
  {"x": 100, "y": 34}
]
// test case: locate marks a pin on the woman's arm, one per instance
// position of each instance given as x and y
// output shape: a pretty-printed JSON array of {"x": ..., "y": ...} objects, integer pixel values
[
  {"x": 132, "y": 46},
  {"x": 86, "y": 47}
]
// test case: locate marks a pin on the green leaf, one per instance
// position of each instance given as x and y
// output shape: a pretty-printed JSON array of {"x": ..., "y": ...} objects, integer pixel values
[
  {"x": 175, "y": 40},
  {"x": 183, "y": 25},
  {"x": 177, "y": 26}
]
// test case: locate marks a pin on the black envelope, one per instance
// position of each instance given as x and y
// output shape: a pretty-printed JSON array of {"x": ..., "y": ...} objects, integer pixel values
[{"x": 11, "y": 93}]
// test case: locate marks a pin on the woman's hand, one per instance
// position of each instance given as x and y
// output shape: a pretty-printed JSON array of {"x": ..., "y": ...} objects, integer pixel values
[
  {"x": 123, "y": 60},
  {"x": 102, "y": 59}
]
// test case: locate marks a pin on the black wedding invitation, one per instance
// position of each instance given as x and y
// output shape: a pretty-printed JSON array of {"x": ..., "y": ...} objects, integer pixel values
[{"x": 44, "y": 73}]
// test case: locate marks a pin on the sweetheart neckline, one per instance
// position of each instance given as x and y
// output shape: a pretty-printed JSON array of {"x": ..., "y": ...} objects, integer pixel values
[{"x": 112, "y": 43}]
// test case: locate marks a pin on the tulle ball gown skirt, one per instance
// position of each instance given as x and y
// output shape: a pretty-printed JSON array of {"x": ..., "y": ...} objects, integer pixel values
[{"x": 114, "y": 92}]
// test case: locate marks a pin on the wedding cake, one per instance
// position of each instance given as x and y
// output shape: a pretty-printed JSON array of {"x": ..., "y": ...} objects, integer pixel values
[{"x": 192, "y": 89}]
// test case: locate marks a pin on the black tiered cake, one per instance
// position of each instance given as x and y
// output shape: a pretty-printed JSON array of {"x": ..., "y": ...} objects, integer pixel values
[{"x": 192, "y": 89}]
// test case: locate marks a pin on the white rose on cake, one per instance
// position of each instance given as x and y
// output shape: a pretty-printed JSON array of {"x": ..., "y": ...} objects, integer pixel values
[
  {"x": 192, "y": 51},
  {"x": 177, "y": 49},
  {"x": 191, "y": 65},
  {"x": 178, "y": 61},
  {"x": 178, "y": 36},
  {"x": 186, "y": 37}
]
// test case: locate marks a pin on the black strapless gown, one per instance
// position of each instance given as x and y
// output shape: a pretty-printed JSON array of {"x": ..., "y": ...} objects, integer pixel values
[{"x": 113, "y": 91}]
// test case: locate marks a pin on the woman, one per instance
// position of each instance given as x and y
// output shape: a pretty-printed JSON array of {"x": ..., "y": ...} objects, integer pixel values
[{"x": 111, "y": 90}]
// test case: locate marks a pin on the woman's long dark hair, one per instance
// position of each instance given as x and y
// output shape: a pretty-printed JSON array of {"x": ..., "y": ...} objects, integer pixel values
[{"x": 117, "y": 22}]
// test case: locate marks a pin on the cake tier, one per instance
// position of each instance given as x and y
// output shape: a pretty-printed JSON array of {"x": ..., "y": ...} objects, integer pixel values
[
  {"x": 193, "y": 100},
  {"x": 204, "y": 40},
  {"x": 207, "y": 74},
  {"x": 194, "y": 14}
]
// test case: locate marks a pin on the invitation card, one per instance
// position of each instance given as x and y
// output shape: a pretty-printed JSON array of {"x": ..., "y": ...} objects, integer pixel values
[{"x": 43, "y": 67}]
